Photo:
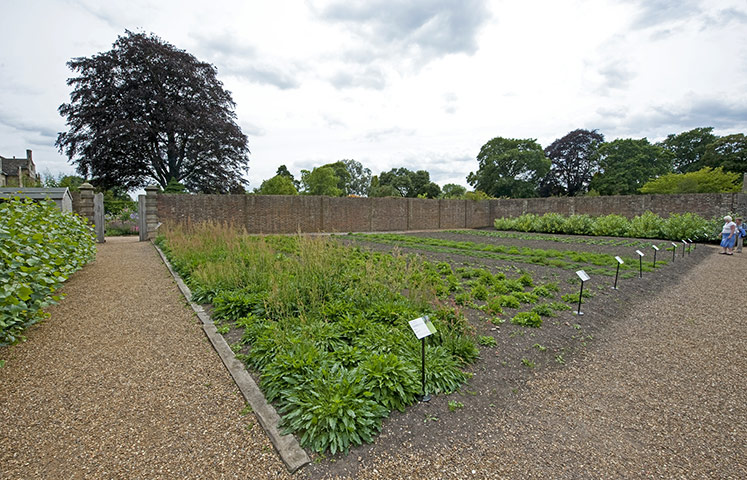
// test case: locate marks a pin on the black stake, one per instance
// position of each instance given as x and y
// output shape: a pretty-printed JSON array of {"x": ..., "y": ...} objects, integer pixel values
[
  {"x": 640, "y": 262},
  {"x": 580, "y": 294},
  {"x": 674, "y": 251},
  {"x": 426, "y": 397},
  {"x": 683, "y": 250},
  {"x": 617, "y": 272},
  {"x": 654, "y": 258}
]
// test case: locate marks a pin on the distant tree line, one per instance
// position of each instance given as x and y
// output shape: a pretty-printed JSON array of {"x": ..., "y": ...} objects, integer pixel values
[{"x": 582, "y": 163}]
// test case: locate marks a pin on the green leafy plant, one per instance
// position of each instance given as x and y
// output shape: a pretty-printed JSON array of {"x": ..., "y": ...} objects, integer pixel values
[
  {"x": 390, "y": 380},
  {"x": 527, "y": 319},
  {"x": 455, "y": 405},
  {"x": 40, "y": 247},
  {"x": 487, "y": 341}
]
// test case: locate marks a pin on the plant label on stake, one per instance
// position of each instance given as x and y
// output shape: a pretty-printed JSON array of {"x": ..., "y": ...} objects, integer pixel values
[
  {"x": 422, "y": 328},
  {"x": 617, "y": 272},
  {"x": 684, "y": 246},
  {"x": 584, "y": 277},
  {"x": 695, "y": 245},
  {"x": 640, "y": 262},
  {"x": 674, "y": 251},
  {"x": 656, "y": 249},
  {"x": 688, "y": 245}
]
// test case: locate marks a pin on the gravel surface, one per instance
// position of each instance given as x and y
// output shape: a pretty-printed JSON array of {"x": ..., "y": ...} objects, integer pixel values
[
  {"x": 121, "y": 382},
  {"x": 663, "y": 395}
]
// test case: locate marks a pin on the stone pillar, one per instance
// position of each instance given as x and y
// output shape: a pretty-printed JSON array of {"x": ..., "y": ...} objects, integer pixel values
[
  {"x": 151, "y": 211},
  {"x": 744, "y": 183},
  {"x": 98, "y": 217},
  {"x": 86, "y": 202}
]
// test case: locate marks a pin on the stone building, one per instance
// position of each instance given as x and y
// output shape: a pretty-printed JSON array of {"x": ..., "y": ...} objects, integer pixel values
[{"x": 18, "y": 172}]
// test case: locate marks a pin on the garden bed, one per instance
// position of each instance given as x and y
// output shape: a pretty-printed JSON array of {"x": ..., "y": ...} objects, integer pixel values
[{"x": 494, "y": 281}]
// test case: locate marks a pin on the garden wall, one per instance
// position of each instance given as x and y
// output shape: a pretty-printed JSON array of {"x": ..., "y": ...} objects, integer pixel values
[{"x": 290, "y": 214}]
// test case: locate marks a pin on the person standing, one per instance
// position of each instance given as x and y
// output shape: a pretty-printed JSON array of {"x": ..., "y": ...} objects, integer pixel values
[
  {"x": 728, "y": 236},
  {"x": 741, "y": 233}
]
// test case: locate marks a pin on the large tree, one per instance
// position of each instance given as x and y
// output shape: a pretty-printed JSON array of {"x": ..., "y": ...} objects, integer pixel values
[
  {"x": 575, "y": 159},
  {"x": 277, "y": 185},
  {"x": 510, "y": 167},
  {"x": 146, "y": 111},
  {"x": 627, "y": 164},
  {"x": 705, "y": 180},
  {"x": 729, "y": 152},
  {"x": 407, "y": 183},
  {"x": 688, "y": 148},
  {"x": 360, "y": 178},
  {"x": 321, "y": 181}
]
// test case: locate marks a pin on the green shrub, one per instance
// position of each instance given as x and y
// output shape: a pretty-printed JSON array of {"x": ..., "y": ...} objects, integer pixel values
[
  {"x": 462, "y": 299},
  {"x": 578, "y": 225},
  {"x": 233, "y": 304},
  {"x": 527, "y": 319},
  {"x": 480, "y": 292},
  {"x": 460, "y": 347},
  {"x": 611, "y": 225},
  {"x": 40, "y": 247},
  {"x": 442, "y": 372},
  {"x": 526, "y": 223},
  {"x": 525, "y": 297},
  {"x": 677, "y": 227},
  {"x": 526, "y": 280},
  {"x": 504, "y": 223},
  {"x": 293, "y": 367},
  {"x": 648, "y": 225},
  {"x": 550, "y": 223},
  {"x": 334, "y": 411}
]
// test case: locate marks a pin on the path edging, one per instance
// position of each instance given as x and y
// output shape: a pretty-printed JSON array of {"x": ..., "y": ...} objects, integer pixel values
[{"x": 287, "y": 446}]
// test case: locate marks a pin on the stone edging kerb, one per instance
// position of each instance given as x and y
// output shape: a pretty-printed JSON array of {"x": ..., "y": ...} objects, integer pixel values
[{"x": 287, "y": 446}]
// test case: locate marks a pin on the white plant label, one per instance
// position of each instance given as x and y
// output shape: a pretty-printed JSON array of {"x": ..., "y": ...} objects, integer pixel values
[
  {"x": 639, "y": 253},
  {"x": 655, "y": 247},
  {"x": 422, "y": 327},
  {"x": 582, "y": 275},
  {"x": 619, "y": 260}
]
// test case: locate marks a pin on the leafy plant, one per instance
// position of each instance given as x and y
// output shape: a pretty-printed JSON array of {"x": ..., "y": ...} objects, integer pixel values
[
  {"x": 390, "y": 380},
  {"x": 527, "y": 319},
  {"x": 487, "y": 341},
  {"x": 455, "y": 405},
  {"x": 333, "y": 412},
  {"x": 40, "y": 247}
]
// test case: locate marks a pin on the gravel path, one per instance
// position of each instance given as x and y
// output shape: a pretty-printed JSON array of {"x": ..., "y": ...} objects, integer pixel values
[
  {"x": 663, "y": 396},
  {"x": 120, "y": 382}
]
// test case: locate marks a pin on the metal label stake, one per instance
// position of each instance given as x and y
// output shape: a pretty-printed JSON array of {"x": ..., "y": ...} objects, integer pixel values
[
  {"x": 656, "y": 249},
  {"x": 640, "y": 262},
  {"x": 422, "y": 328},
  {"x": 617, "y": 272},
  {"x": 584, "y": 277}
]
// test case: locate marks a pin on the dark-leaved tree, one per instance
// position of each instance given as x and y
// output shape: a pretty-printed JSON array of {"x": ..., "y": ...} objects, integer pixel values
[
  {"x": 146, "y": 111},
  {"x": 575, "y": 159},
  {"x": 688, "y": 148}
]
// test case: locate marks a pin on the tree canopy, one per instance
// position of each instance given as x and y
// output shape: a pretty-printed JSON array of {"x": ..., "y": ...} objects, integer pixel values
[
  {"x": 405, "y": 183},
  {"x": 627, "y": 164},
  {"x": 452, "y": 190},
  {"x": 277, "y": 185},
  {"x": 574, "y": 160},
  {"x": 729, "y": 152},
  {"x": 510, "y": 167},
  {"x": 320, "y": 181},
  {"x": 146, "y": 111},
  {"x": 688, "y": 148},
  {"x": 705, "y": 180}
]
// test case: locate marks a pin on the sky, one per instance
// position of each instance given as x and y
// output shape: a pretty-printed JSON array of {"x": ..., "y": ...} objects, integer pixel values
[{"x": 420, "y": 84}]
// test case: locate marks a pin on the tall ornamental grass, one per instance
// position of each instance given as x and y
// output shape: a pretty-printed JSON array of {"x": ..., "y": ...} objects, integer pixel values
[{"x": 40, "y": 247}]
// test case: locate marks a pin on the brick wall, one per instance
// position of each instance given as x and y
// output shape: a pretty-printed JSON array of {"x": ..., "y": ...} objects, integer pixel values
[{"x": 290, "y": 214}]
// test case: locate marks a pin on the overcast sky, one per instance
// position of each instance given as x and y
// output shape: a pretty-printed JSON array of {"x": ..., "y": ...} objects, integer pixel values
[{"x": 421, "y": 84}]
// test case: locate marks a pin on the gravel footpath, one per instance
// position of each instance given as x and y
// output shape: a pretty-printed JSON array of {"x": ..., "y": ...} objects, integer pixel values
[
  {"x": 663, "y": 395},
  {"x": 121, "y": 382}
]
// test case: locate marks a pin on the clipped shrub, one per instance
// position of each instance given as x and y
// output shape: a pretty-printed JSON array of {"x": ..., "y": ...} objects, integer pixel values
[
  {"x": 611, "y": 225},
  {"x": 40, "y": 247},
  {"x": 527, "y": 319},
  {"x": 648, "y": 225},
  {"x": 332, "y": 412}
]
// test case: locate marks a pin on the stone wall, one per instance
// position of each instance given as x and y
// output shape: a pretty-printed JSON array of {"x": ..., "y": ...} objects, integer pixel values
[{"x": 290, "y": 214}]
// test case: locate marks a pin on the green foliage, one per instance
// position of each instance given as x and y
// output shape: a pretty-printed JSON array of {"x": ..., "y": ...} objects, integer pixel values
[
  {"x": 174, "y": 186},
  {"x": 40, "y": 247},
  {"x": 407, "y": 183},
  {"x": 314, "y": 312},
  {"x": 705, "y": 180},
  {"x": 688, "y": 148},
  {"x": 611, "y": 226},
  {"x": 509, "y": 167},
  {"x": 487, "y": 341},
  {"x": 321, "y": 181},
  {"x": 455, "y": 405},
  {"x": 509, "y": 301},
  {"x": 333, "y": 412},
  {"x": 452, "y": 190},
  {"x": 626, "y": 164},
  {"x": 527, "y": 319},
  {"x": 277, "y": 185},
  {"x": 729, "y": 152},
  {"x": 544, "y": 310},
  {"x": 550, "y": 223},
  {"x": 647, "y": 225}
]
